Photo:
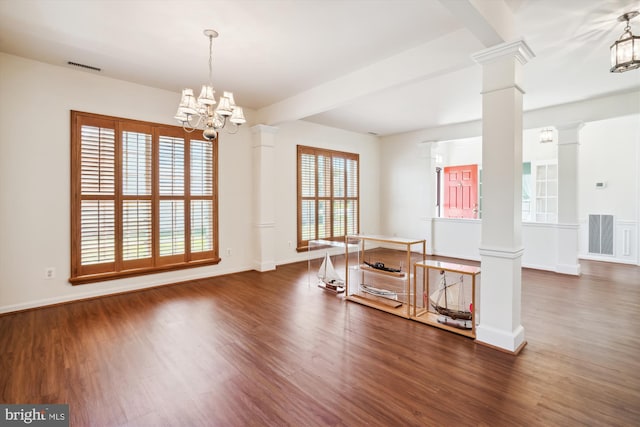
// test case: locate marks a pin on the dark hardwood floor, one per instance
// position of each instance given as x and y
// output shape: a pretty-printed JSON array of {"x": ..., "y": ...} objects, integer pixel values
[{"x": 268, "y": 349}]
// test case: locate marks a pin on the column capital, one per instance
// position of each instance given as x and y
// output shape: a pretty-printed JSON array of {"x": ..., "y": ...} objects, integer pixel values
[
  {"x": 569, "y": 133},
  {"x": 263, "y": 136},
  {"x": 260, "y": 128},
  {"x": 568, "y": 126},
  {"x": 518, "y": 49}
]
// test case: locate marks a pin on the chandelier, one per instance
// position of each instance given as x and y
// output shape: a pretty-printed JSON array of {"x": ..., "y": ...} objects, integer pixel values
[
  {"x": 625, "y": 52},
  {"x": 200, "y": 113}
]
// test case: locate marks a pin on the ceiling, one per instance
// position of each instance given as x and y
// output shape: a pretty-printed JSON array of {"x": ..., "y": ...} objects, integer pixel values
[{"x": 378, "y": 66}]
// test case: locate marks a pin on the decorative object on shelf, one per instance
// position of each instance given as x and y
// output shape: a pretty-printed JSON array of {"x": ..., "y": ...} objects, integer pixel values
[
  {"x": 385, "y": 293},
  {"x": 382, "y": 267},
  {"x": 450, "y": 301},
  {"x": 446, "y": 305},
  {"x": 193, "y": 113},
  {"x": 329, "y": 278},
  {"x": 625, "y": 52},
  {"x": 546, "y": 135},
  {"x": 375, "y": 283}
]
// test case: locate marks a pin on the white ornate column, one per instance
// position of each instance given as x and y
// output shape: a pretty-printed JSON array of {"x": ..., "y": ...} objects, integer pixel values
[
  {"x": 501, "y": 239},
  {"x": 264, "y": 196},
  {"x": 568, "y": 227}
]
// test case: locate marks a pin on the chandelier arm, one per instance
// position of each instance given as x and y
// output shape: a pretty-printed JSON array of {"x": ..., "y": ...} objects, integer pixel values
[
  {"x": 188, "y": 130},
  {"x": 190, "y": 124}
]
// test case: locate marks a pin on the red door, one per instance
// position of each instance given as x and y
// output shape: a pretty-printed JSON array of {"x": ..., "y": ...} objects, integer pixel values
[{"x": 461, "y": 191}]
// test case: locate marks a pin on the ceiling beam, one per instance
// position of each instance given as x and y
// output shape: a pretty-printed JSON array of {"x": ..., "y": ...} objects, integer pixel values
[
  {"x": 491, "y": 22},
  {"x": 444, "y": 54}
]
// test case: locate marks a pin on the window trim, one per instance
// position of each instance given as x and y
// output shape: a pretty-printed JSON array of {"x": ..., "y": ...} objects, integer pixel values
[
  {"x": 303, "y": 245},
  {"x": 126, "y": 268}
]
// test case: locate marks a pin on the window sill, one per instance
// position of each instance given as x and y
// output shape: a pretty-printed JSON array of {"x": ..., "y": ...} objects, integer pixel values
[{"x": 102, "y": 277}]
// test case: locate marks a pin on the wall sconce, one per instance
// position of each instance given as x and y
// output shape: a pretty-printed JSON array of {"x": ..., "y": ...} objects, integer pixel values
[{"x": 546, "y": 135}]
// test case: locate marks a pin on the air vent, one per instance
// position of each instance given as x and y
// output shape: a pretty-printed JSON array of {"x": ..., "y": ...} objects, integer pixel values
[
  {"x": 601, "y": 234},
  {"x": 88, "y": 67}
]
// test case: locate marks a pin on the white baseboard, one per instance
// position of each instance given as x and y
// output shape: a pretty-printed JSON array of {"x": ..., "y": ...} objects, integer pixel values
[
  {"x": 83, "y": 295},
  {"x": 607, "y": 259}
]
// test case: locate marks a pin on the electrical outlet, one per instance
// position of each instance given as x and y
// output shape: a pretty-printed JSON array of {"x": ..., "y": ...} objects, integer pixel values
[
  {"x": 49, "y": 273},
  {"x": 289, "y": 242},
  {"x": 228, "y": 251}
]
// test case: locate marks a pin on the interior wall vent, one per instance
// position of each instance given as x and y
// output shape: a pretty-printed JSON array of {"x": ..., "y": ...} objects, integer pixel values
[
  {"x": 88, "y": 67},
  {"x": 601, "y": 234}
]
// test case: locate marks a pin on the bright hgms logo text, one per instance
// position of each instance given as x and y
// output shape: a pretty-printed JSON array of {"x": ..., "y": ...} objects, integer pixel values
[{"x": 31, "y": 415}]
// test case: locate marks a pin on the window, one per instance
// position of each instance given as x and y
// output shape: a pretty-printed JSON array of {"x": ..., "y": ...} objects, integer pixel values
[
  {"x": 143, "y": 198},
  {"x": 526, "y": 191},
  {"x": 547, "y": 192},
  {"x": 328, "y": 195}
]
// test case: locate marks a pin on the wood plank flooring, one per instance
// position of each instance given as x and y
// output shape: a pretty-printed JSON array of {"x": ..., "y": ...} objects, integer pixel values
[{"x": 268, "y": 349}]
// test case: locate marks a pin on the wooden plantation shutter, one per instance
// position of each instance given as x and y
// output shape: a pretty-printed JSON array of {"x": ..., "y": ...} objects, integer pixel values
[
  {"x": 144, "y": 198},
  {"x": 97, "y": 196},
  {"x": 352, "y": 197},
  {"x": 171, "y": 196},
  {"x": 201, "y": 206},
  {"x": 136, "y": 199},
  {"x": 328, "y": 199}
]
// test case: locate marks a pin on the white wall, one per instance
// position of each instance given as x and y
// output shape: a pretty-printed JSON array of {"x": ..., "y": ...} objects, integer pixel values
[
  {"x": 35, "y": 189},
  {"x": 291, "y": 134},
  {"x": 460, "y": 152},
  {"x": 34, "y": 180},
  {"x": 404, "y": 184},
  {"x": 609, "y": 151}
]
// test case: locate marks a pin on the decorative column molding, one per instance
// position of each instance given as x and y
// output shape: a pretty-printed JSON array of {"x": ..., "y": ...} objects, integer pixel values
[
  {"x": 501, "y": 238},
  {"x": 258, "y": 129},
  {"x": 567, "y": 237},
  {"x": 263, "y": 197},
  {"x": 569, "y": 133},
  {"x": 518, "y": 49}
]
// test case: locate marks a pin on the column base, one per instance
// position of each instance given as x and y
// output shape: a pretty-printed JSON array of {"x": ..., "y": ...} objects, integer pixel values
[
  {"x": 509, "y": 342},
  {"x": 567, "y": 249},
  {"x": 500, "y": 299},
  {"x": 264, "y": 258},
  {"x": 264, "y": 266},
  {"x": 571, "y": 269}
]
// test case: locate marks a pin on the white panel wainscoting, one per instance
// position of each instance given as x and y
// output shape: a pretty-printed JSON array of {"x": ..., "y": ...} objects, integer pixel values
[
  {"x": 625, "y": 243},
  {"x": 460, "y": 238},
  {"x": 540, "y": 249},
  {"x": 457, "y": 238}
]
